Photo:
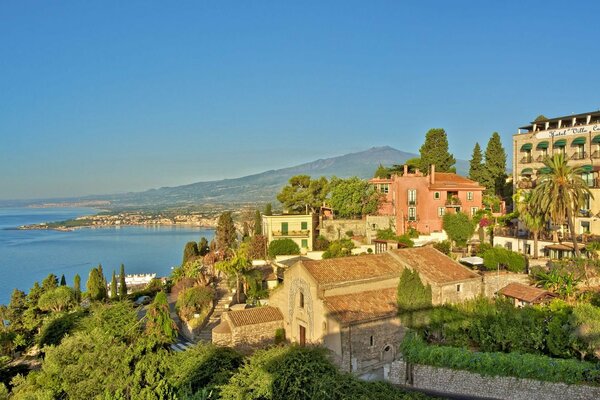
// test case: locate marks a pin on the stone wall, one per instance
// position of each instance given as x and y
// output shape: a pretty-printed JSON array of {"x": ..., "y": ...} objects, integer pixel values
[
  {"x": 360, "y": 354},
  {"x": 494, "y": 281},
  {"x": 472, "y": 384},
  {"x": 334, "y": 229},
  {"x": 378, "y": 222}
]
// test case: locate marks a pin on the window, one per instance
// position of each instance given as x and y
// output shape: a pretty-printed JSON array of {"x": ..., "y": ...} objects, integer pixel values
[
  {"x": 384, "y": 188},
  {"x": 305, "y": 243},
  {"x": 304, "y": 225},
  {"x": 508, "y": 246},
  {"x": 470, "y": 196},
  {"x": 371, "y": 341},
  {"x": 474, "y": 210},
  {"x": 301, "y": 305},
  {"x": 459, "y": 288},
  {"x": 412, "y": 197},
  {"x": 412, "y": 213},
  {"x": 441, "y": 211},
  {"x": 284, "y": 228},
  {"x": 436, "y": 195},
  {"x": 586, "y": 201}
]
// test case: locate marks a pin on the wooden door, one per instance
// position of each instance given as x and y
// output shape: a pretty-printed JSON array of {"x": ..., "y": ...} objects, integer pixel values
[{"x": 302, "y": 335}]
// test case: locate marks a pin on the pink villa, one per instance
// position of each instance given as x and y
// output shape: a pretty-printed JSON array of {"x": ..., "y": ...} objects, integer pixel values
[{"x": 420, "y": 201}]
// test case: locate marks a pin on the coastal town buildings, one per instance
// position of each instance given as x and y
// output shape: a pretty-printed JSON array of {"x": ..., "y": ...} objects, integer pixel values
[
  {"x": 577, "y": 136},
  {"x": 419, "y": 201},
  {"x": 301, "y": 228}
]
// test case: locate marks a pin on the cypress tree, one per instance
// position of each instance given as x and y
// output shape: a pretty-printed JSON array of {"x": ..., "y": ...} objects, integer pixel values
[
  {"x": 476, "y": 167},
  {"x": 63, "y": 281},
  {"x": 495, "y": 165},
  {"x": 381, "y": 172},
  {"x": 122, "y": 284},
  {"x": 203, "y": 247},
  {"x": 159, "y": 324},
  {"x": 414, "y": 299},
  {"x": 268, "y": 209},
  {"x": 77, "y": 287},
  {"x": 190, "y": 251},
  {"x": 226, "y": 234},
  {"x": 96, "y": 285},
  {"x": 113, "y": 287},
  {"x": 257, "y": 223},
  {"x": 435, "y": 151}
]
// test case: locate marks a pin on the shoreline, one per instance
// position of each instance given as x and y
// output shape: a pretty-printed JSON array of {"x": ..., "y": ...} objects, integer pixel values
[{"x": 45, "y": 227}]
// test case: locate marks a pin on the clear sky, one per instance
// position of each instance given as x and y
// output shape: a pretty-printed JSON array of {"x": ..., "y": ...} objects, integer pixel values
[{"x": 104, "y": 97}]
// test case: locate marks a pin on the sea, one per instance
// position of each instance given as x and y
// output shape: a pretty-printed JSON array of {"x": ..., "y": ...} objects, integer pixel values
[{"x": 27, "y": 256}]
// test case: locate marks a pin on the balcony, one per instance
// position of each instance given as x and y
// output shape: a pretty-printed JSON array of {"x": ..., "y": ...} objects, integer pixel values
[
  {"x": 526, "y": 160},
  {"x": 453, "y": 202},
  {"x": 579, "y": 156},
  {"x": 299, "y": 233},
  {"x": 596, "y": 154},
  {"x": 412, "y": 202},
  {"x": 526, "y": 184}
]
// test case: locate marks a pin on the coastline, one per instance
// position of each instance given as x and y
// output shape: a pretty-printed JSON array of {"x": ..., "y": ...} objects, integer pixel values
[{"x": 45, "y": 226}]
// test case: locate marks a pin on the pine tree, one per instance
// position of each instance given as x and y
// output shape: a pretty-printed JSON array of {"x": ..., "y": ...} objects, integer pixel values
[
  {"x": 257, "y": 223},
  {"x": 77, "y": 287},
  {"x": 225, "y": 234},
  {"x": 381, "y": 172},
  {"x": 495, "y": 165},
  {"x": 122, "y": 284},
  {"x": 476, "y": 168},
  {"x": 435, "y": 152},
  {"x": 49, "y": 283},
  {"x": 63, "y": 281},
  {"x": 113, "y": 287}
]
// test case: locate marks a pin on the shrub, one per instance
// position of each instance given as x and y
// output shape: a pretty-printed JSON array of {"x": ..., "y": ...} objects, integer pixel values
[
  {"x": 443, "y": 246},
  {"x": 350, "y": 233},
  {"x": 458, "y": 227},
  {"x": 195, "y": 300},
  {"x": 282, "y": 247},
  {"x": 321, "y": 243},
  {"x": 388, "y": 234},
  {"x": 482, "y": 248},
  {"x": 339, "y": 248},
  {"x": 279, "y": 335},
  {"x": 504, "y": 258}
]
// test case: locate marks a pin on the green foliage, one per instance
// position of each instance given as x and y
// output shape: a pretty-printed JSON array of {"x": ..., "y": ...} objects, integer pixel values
[
  {"x": 444, "y": 247},
  {"x": 303, "y": 194},
  {"x": 235, "y": 267},
  {"x": 476, "y": 168},
  {"x": 499, "y": 257},
  {"x": 414, "y": 299},
  {"x": 59, "y": 299},
  {"x": 339, "y": 248},
  {"x": 203, "y": 246},
  {"x": 495, "y": 166},
  {"x": 353, "y": 197},
  {"x": 56, "y": 327},
  {"x": 257, "y": 248},
  {"x": 458, "y": 227},
  {"x": 96, "y": 285},
  {"x": 321, "y": 243},
  {"x": 559, "y": 281},
  {"x": 50, "y": 282},
  {"x": 389, "y": 234},
  {"x": 225, "y": 235},
  {"x": 190, "y": 252},
  {"x": 381, "y": 172},
  {"x": 527, "y": 366},
  {"x": 257, "y": 223},
  {"x": 268, "y": 209},
  {"x": 350, "y": 233},
  {"x": 114, "y": 294},
  {"x": 159, "y": 324},
  {"x": 195, "y": 300},
  {"x": 77, "y": 287},
  {"x": 586, "y": 318},
  {"x": 279, "y": 336},
  {"x": 122, "y": 283},
  {"x": 63, "y": 280},
  {"x": 435, "y": 152},
  {"x": 283, "y": 247}
]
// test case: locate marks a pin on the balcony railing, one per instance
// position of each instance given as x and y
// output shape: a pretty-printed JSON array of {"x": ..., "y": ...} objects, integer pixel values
[
  {"x": 526, "y": 184},
  {"x": 526, "y": 160},
  {"x": 304, "y": 232},
  {"x": 579, "y": 156},
  {"x": 412, "y": 202},
  {"x": 453, "y": 202},
  {"x": 596, "y": 154}
]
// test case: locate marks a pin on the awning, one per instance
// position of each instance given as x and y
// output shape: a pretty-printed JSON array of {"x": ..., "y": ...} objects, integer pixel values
[
  {"x": 587, "y": 168},
  {"x": 544, "y": 170},
  {"x": 544, "y": 144},
  {"x": 560, "y": 143},
  {"x": 527, "y": 171},
  {"x": 471, "y": 260},
  {"x": 526, "y": 146},
  {"x": 596, "y": 139},
  {"x": 579, "y": 140}
]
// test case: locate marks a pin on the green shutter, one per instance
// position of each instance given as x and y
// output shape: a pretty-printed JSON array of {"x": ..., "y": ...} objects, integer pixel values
[
  {"x": 579, "y": 140},
  {"x": 544, "y": 144},
  {"x": 560, "y": 143},
  {"x": 304, "y": 225},
  {"x": 305, "y": 243},
  {"x": 527, "y": 171},
  {"x": 587, "y": 168},
  {"x": 596, "y": 139},
  {"x": 544, "y": 170},
  {"x": 526, "y": 146},
  {"x": 284, "y": 228}
]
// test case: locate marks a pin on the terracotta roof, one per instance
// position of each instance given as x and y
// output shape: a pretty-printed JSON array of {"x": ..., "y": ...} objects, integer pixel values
[
  {"x": 444, "y": 180},
  {"x": 526, "y": 293},
  {"x": 357, "y": 268},
  {"x": 433, "y": 265},
  {"x": 291, "y": 261},
  {"x": 365, "y": 306},
  {"x": 252, "y": 316}
]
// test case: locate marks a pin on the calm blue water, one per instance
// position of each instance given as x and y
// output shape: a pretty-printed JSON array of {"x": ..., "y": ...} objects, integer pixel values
[{"x": 27, "y": 256}]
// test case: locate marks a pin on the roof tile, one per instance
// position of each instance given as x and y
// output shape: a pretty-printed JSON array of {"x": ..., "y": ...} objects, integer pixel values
[
  {"x": 252, "y": 316},
  {"x": 370, "y": 305}
]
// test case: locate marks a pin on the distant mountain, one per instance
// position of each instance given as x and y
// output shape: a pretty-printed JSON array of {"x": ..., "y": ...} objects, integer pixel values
[{"x": 263, "y": 187}]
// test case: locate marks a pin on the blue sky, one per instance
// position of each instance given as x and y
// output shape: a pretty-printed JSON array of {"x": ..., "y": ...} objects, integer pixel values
[{"x": 105, "y": 97}]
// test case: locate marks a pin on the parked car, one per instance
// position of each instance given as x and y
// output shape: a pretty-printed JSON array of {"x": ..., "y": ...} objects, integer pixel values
[{"x": 142, "y": 300}]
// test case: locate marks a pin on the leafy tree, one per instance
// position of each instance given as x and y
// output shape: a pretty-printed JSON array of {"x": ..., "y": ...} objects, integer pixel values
[
  {"x": 458, "y": 227},
  {"x": 122, "y": 283},
  {"x": 226, "y": 234},
  {"x": 236, "y": 266},
  {"x": 257, "y": 223},
  {"x": 560, "y": 193},
  {"x": 95, "y": 286},
  {"x": 203, "y": 246},
  {"x": 477, "y": 169},
  {"x": 159, "y": 323},
  {"x": 57, "y": 300},
  {"x": 353, "y": 197},
  {"x": 586, "y": 319},
  {"x": 63, "y": 281},
  {"x": 114, "y": 293},
  {"x": 77, "y": 287},
  {"x": 257, "y": 249},
  {"x": 435, "y": 151},
  {"x": 303, "y": 194},
  {"x": 49, "y": 283},
  {"x": 339, "y": 248},
  {"x": 34, "y": 295},
  {"x": 495, "y": 166},
  {"x": 531, "y": 215},
  {"x": 381, "y": 172},
  {"x": 412, "y": 163},
  {"x": 283, "y": 247},
  {"x": 498, "y": 257},
  {"x": 268, "y": 209},
  {"x": 190, "y": 252}
]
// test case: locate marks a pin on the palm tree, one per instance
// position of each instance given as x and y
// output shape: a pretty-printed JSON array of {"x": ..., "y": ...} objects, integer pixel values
[
  {"x": 531, "y": 215},
  {"x": 560, "y": 193},
  {"x": 236, "y": 266}
]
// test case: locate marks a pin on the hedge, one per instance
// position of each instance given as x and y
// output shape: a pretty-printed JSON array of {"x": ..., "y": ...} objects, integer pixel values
[
  {"x": 527, "y": 366},
  {"x": 497, "y": 256}
]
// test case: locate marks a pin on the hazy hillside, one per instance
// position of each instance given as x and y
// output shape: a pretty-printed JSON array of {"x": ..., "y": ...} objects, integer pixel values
[{"x": 263, "y": 187}]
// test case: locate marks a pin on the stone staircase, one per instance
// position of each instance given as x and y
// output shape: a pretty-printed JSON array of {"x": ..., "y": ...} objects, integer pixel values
[{"x": 224, "y": 298}]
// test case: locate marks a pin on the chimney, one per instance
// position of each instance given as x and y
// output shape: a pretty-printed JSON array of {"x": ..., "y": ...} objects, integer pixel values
[
  {"x": 405, "y": 169},
  {"x": 432, "y": 174}
]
